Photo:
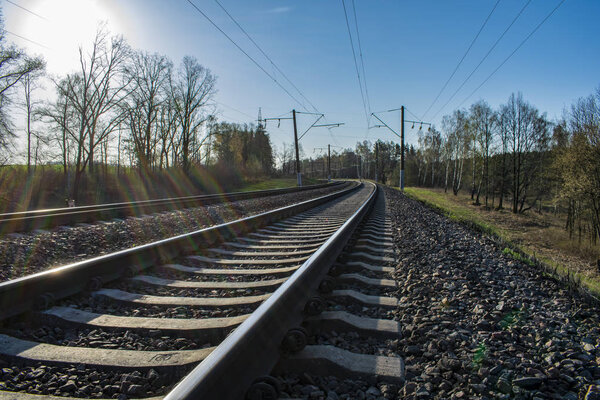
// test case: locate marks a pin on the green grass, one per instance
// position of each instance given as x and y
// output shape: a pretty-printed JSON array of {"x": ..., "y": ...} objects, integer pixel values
[
  {"x": 459, "y": 213},
  {"x": 453, "y": 211},
  {"x": 511, "y": 319},
  {"x": 277, "y": 183},
  {"x": 517, "y": 256},
  {"x": 480, "y": 356}
]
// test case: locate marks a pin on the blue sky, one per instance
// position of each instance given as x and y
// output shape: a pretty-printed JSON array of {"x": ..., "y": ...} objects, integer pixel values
[{"x": 410, "y": 48}]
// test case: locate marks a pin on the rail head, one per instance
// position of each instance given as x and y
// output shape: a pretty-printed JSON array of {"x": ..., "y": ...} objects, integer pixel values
[
  {"x": 252, "y": 349},
  {"x": 23, "y": 294},
  {"x": 50, "y": 211},
  {"x": 48, "y": 218}
]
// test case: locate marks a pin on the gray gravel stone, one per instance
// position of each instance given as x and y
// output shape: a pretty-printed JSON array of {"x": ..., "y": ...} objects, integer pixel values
[
  {"x": 482, "y": 318},
  {"x": 528, "y": 382},
  {"x": 27, "y": 253}
]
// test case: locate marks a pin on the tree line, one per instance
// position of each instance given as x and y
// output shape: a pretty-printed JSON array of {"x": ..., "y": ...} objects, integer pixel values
[
  {"x": 511, "y": 157},
  {"x": 515, "y": 154},
  {"x": 121, "y": 109}
]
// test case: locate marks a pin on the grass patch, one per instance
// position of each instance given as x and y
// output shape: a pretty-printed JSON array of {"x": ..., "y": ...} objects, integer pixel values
[
  {"x": 511, "y": 319},
  {"x": 480, "y": 356},
  {"x": 517, "y": 256},
  {"x": 526, "y": 238},
  {"x": 453, "y": 211}
]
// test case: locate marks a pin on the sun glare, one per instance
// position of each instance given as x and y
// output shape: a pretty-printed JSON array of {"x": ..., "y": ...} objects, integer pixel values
[{"x": 68, "y": 24}]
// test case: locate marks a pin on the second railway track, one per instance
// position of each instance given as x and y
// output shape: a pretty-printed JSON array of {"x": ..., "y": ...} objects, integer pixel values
[
  {"x": 50, "y": 218},
  {"x": 134, "y": 323}
]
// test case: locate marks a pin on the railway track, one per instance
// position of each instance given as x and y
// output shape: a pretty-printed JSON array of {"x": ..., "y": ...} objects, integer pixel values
[
  {"x": 50, "y": 218},
  {"x": 351, "y": 349},
  {"x": 215, "y": 307}
]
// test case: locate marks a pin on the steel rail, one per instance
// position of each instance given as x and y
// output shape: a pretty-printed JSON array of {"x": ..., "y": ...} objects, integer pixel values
[
  {"x": 49, "y": 218},
  {"x": 253, "y": 349},
  {"x": 23, "y": 294}
]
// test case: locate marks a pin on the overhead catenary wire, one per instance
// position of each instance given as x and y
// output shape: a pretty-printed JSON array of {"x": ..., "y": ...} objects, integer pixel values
[
  {"x": 27, "y": 10},
  {"x": 460, "y": 61},
  {"x": 266, "y": 55},
  {"x": 412, "y": 113},
  {"x": 513, "y": 52},
  {"x": 234, "y": 109},
  {"x": 362, "y": 95},
  {"x": 27, "y": 40},
  {"x": 245, "y": 53},
  {"x": 484, "y": 58},
  {"x": 362, "y": 61}
]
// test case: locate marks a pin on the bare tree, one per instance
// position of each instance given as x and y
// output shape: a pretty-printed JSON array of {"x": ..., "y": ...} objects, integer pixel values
[
  {"x": 456, "y": 128},
  {"x": 578, "y": 164},
  {"x": 149, "y": 74},
  {"x": 168, "y": 126},
  {"x": 15, "y": 65},
  {"x": 502, "y": 176},
  {"x": 483, "y": 121},
  {"x": 30, "y": 106},
  {"x": 60, "y": 116},
  {"x": 431, "y": 145},
  {"x": 95, "y": 94},
  {"x": 191, "y": 92},
  {"x": 528, "y": 138}
]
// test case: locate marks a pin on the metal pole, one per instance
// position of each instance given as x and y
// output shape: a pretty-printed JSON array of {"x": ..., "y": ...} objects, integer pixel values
[
  {"x": 402, "y": 148},
  {"x": 298, "y": 176},
  {"x": 376, "y": 160},
  {"x": 329, "y": 163}
]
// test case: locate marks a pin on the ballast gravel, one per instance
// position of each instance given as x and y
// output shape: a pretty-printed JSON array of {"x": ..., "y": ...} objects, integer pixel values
[
  {"x": 308, "y": 386},
  {"x": 103, "y": 339},
  {"x": 80, "y": 381},
  {"x": 179, "y": 292},
  {"x": 366, "y": 289},
  {"x": 478, "y": 324},
  {"x": 27, "y": 253},
  {"x": 354, "y": 343},
  {"x": 103, "y": 305},
  {"x": 340, "y": 304}
]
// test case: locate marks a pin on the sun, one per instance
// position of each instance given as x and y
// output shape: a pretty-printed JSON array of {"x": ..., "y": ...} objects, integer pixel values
[{"x": 66, "y": 25}]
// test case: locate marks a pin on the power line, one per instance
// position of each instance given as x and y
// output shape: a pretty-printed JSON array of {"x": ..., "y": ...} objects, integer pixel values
[
  {"x": 461, "y": 60},
  {"x": 234, "y": 109},
  {"x": 245, "y": 53},
  {"x": 513, "y": 52},
  {"x": 362, "y": 62},
  {"x": 266, "y": 56},
  {"x": 28, "y": 40},
  {"x": 26, "y": 9},
  {"x": 233, "y": 119},
  {"x": 362, "y": 95},
  {"x": 412, "y": 113},
  {"x": 484, "y": 58}
]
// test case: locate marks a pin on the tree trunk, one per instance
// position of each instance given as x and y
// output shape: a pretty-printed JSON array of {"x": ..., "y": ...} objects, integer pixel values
[
  {"x": 473, "y": 173},
  {"x": 446, "y": 179},
  {"x": 478, "y": 192},
  {"x": 91, "y": 154},
  {"x": 502, "y": 181},
  {"x": 487, "y": 176},
  {"x": 76, "y": 183}
]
